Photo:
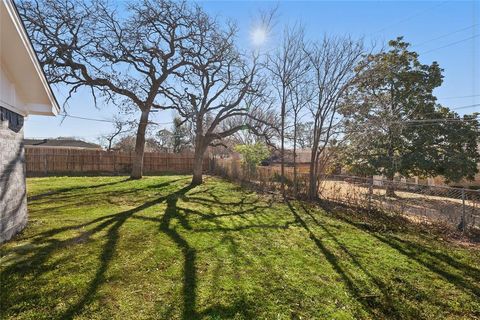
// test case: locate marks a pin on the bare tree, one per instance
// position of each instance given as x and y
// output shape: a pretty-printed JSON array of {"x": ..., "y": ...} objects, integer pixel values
[
  {"x": 127, "y": 143},
  {"x": 219, "y": 86},
  {"x": 332, "y": 62},
  {"x": 286, "y": 65},
  {"x": 119, "y": 127},
  {"x": 304, "y": 134},
  {"x": 266, "y": 131},
  {"x": 300, "y": 97},
  {"x": 126, "y": 58},
  {"x": 259, "y": 126}
]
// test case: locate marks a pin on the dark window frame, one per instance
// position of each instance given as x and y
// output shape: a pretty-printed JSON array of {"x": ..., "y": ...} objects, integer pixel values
[{"x": 15, "y": 120}]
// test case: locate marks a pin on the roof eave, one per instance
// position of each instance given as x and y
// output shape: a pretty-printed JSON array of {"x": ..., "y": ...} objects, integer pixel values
[{"x": 20, "y": 26}]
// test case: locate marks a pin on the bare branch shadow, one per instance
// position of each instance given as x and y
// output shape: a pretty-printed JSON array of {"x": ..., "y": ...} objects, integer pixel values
[
  {"x": 76, "y": 188},
  {"x": 462, "y": 275}
]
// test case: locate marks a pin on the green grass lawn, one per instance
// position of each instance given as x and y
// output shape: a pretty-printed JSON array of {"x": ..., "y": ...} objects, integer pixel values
[{"x": 109, "y": 248}]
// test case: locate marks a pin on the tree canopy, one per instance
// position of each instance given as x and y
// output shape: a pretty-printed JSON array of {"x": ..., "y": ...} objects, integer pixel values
[
  {"x": 252, "y": 154},
  {"x": 393, "y": 124}
]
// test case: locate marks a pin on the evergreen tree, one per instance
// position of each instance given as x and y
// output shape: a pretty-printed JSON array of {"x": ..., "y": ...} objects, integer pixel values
[{"x": 394, "y": 125}]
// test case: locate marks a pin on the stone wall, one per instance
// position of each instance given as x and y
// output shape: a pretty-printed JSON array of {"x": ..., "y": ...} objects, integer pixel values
[{"x": 13, "y": 198}]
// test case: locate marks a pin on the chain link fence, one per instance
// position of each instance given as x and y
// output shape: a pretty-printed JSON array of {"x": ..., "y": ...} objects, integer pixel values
[
  {"x": 420, "y": 203},
  {"x": 455, "y": 207}
]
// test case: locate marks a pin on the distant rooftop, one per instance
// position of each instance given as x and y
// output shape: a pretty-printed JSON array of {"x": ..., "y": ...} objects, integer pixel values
[
  {"x": 60, "y": 143},
  {"x": 303, "y": 156}
]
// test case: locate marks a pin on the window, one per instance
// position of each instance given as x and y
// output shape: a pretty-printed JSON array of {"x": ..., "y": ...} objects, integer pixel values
[{"x": 15, "y": 121}]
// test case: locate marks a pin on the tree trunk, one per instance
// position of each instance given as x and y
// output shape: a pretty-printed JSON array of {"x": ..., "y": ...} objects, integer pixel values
[
  {"x": 282, "y": 151},
  {"x": 390, "y": 190},
  {"x": 197, "y": 170},
  {"x": 295, "y": 182},
  {"x": 312, "y": 191},
  {"x": 137, "y": 167},
  {"x": 197, "y": 178}
]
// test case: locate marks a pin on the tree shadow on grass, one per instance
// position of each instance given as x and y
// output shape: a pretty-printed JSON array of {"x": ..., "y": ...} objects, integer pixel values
[
  {"x": 75, "y": 188},
  {"x": 388, "y": 303},
  {"x": 466, "y": 281},
  {"x": 460, "y": 274},
  {"x": 75, "y": 199},
  {"x": 189, "y": 287},
  {"x": 351, "y": 286},
  {"x": 35, "y": 258},
  {"x": 112, "y": 240},
  {"x": 383, "y": 301},
  {"x": 382, "y": 304},
  {"x": 436, "y": 261},
  {"x": 189, "y": 253}
]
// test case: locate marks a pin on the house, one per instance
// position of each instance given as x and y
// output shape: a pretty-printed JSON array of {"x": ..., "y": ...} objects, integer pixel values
[
  {"x": 303, "y": 157},
  {"x": 69, "y": 143},
  {"x": 302, "y": 160},
  {"x": 24, "y": 91}
]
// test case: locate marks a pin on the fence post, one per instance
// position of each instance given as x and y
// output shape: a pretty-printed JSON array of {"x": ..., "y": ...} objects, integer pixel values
[
  {"x": 370, "y": 191},
  {"x": 45, "y": 168},
  {"x": 114, "y": 164},
  {"x": 54, "y": 155},
  {"x": 463, "y": 222}
]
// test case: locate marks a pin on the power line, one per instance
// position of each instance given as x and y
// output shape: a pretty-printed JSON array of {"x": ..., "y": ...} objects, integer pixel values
[
  {"x": 460, "y": 97},
  {"x": 437, "y": 120},
  {"x": 412, "y": 16},
  {"x": 455, "y": 109},
  {"x": 373, "y": 131},
  {"x": 451, "y": 44},
  {"x": 84, "y": 118},
  {"x": 445, "y": 35},
  {"x": 428, "y": 124},
  {"x": 105, "y": 120},
  {"x": 420, "y": 124},
  {"x": 466, "y": 107},
  {"x": 90, "y": 119},
  {"x": 459, "y": 108}
]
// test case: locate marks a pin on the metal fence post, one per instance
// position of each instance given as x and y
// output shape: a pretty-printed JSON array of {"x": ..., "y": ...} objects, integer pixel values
[
  {"x": 370, "y": 191},
  {"x": 463, "y": 222}
]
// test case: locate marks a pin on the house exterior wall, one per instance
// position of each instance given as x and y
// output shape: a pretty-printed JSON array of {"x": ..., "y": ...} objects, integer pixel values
[
  {"x": 24, "y": 91},
  {"x": 7, "y": 89},
  {"x": 13, "y": 204},
  {"x": 13, "y": 198}
]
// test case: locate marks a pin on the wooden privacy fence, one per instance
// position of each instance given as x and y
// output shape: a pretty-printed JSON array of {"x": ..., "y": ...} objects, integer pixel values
[{"x": 50, "y": 161}]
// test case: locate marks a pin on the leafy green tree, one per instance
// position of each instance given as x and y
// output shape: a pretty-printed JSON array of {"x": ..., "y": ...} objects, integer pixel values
[
  {"x": 394, "y": 125},
  {"x": 252, "y": 155}
]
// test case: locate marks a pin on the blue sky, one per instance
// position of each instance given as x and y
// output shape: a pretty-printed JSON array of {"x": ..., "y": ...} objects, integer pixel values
[{"x": 443, "y": 31}]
